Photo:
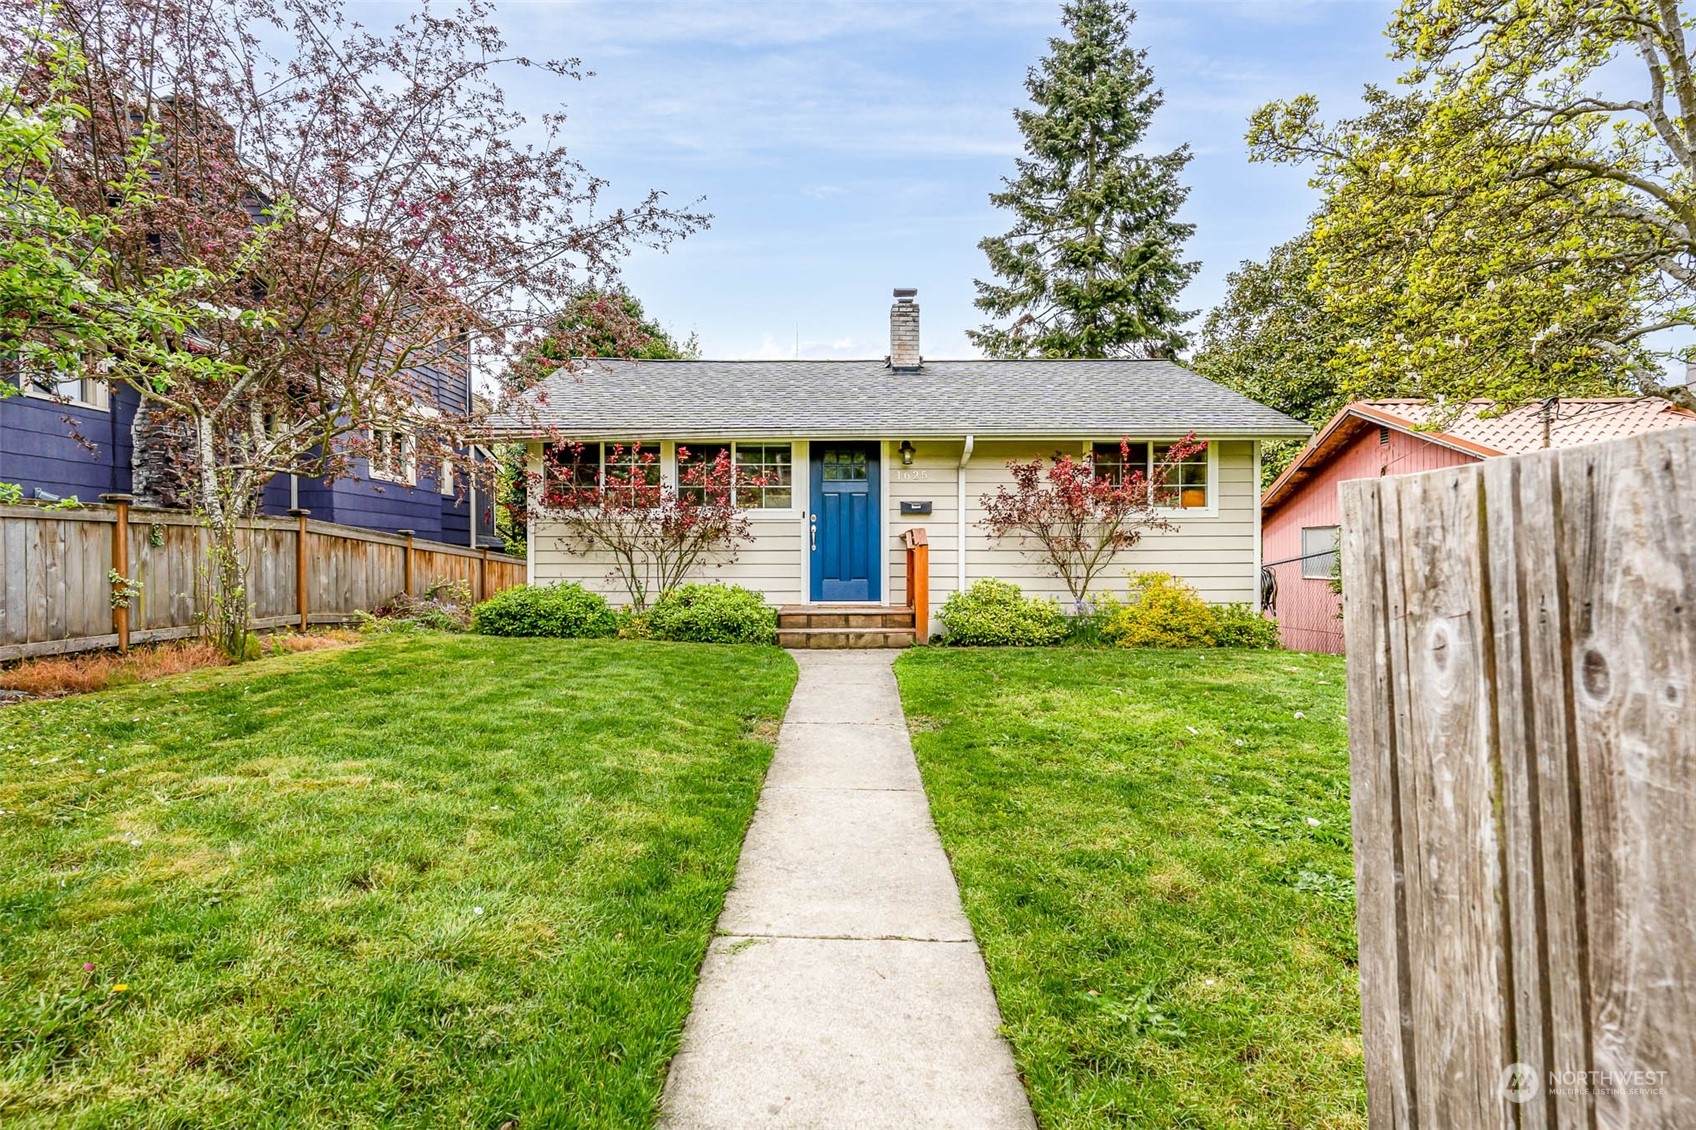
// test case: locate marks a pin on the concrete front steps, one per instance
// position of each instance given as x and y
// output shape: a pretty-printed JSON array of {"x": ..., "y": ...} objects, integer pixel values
[{"x": 844, "y": 625}]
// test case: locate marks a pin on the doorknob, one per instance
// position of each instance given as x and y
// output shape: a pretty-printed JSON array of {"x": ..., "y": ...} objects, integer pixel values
[{"x": 813, "y": 533}]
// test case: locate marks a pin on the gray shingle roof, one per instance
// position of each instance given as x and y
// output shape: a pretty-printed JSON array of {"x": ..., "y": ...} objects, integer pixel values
[{"x": 729, "y": 399}]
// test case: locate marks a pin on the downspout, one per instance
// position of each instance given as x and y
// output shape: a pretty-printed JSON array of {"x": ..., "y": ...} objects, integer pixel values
[{"x": 960, "y": 513}]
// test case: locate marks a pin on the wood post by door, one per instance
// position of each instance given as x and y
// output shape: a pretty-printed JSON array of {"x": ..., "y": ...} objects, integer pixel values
[
  {"x": 300, "y": 562},
  {"x": 918, "y": 581},
  {"x": 121, "y": 567}
]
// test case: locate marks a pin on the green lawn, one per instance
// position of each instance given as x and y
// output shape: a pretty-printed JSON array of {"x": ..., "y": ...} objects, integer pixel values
[
  {"x": 1154, "y": 851},
  {"x": 430, "y": 880}
]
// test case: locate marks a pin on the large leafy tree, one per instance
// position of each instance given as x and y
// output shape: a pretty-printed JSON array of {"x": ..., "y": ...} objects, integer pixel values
[
  {"x": 1093, "y": 264},
  {"x": 62, "y": 307},
  {"x": 1273, "y": 340},
  {"x": 427, "y": 214},
  {"x": 1504, "y": 226},
  {"x": 595, "y": 323},
  {"x": 1600, "y": 98},
  {"x": 611, "y": 323}
]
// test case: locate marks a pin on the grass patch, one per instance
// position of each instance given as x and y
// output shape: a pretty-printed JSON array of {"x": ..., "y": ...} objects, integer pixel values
[
  {"x": 1153, "y": 849},
  {"x": 430, "y": 880}
]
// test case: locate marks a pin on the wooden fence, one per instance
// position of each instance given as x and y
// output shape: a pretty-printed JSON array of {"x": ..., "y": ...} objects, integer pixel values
[
  {"x": 56, "y": 595},
  {"x": 1521, "y": 666}
]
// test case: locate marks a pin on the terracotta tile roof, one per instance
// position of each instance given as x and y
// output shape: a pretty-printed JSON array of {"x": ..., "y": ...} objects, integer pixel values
[
  {"x": 1472, "y": 431},
  {"x": 1575, "y": 420}
]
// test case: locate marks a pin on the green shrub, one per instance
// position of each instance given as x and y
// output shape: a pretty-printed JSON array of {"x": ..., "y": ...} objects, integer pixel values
[
  {"x": 1238, "y": 625},
  {"x": 996, "y": 614},
  {"x": 712, "y": 614},
  {"x": 567, "y": 611},
  {"x": 1161, "y": 611},
  {"x": 633, "y": 625}
]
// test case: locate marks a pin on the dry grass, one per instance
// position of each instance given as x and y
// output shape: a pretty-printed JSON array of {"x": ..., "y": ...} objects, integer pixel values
[
  {"x": 314, "y": 640},
  {"x": 55, "y": 676}
]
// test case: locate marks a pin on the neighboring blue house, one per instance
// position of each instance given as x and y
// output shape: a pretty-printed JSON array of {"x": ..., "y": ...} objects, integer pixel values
[{"x": 83, "y": 448}]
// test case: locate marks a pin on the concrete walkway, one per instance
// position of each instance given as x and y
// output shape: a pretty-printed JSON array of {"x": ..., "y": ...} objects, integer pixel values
[{"x": 844, "y": 988}]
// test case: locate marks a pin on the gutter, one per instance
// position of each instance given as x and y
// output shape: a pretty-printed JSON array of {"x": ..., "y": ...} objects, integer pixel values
[{"x": 960, "y": 515}]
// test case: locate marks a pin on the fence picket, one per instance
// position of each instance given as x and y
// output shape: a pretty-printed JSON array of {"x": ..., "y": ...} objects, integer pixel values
[
  {"x": 55, "y": 595},
  {"x": 1522, "y": 648}
]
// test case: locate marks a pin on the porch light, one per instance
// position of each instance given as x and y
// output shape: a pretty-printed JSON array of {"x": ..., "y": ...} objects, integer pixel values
[{"x": 907, "y": 453}]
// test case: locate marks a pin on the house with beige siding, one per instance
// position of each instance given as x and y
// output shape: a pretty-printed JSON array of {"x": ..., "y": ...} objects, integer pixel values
[{"x": 853, "y": 454}]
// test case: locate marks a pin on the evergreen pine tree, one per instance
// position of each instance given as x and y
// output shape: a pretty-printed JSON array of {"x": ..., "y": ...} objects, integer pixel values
[{"x": 1093, "y": 265}]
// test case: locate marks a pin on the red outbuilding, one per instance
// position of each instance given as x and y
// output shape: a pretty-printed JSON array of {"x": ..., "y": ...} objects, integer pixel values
[{"x": 1300, "y": 511}]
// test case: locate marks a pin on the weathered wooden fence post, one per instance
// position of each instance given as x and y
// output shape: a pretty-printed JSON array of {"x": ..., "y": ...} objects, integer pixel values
[
  {"x": 406, "y": 568},
  {"x": 300, "y": 562},
  {"x": 1521, "y": 664},
  {"x": 56, "y": 591},
  {"x": 120, "y": 504}
]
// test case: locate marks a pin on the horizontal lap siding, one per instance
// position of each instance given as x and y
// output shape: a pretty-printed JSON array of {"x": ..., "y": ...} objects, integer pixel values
[
  {"x": 1215, "y": 553},
  {"x": 40, "y": 447},
  {"x": 770, "y": 564},
  {"x": 934, "y": 476}
]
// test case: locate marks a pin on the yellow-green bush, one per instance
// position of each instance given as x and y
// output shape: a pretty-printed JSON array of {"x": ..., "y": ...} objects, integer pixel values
[{"x": 1160, "y": 611}]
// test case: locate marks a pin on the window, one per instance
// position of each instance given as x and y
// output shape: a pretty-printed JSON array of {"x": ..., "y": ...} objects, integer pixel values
[
  {"x": 1109, "y": 461},
  {"x": 769, "y": 462},
  {"x": 1186, "y": 483},
  {"x": 587, "y": 466},
  {"x": 393, "y": 456},
  {"x": 1185, "y": 487},
  {"x": 623, "y": 465},
  {"x": 444, "y": 478},
  {"x": 845, "y": 466},
  {"x": 690, "y": 457},
  {"x": 59, "y": 385},
  {"x": 573, "y": 469},
  {"x": 1319, "y": 551}
]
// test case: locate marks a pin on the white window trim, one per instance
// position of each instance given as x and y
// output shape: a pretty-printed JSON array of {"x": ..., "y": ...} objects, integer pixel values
[
  {"x": 408, "y": 473},
  {"x": 545, "y": 465},
  {"x": 30, "y": 388},
  {"x": 1211, "y": 510},
  {"x": 1307, "y": 561},
  {"x": 754, "y": 513},
  {"x": 444, "y": 478}
]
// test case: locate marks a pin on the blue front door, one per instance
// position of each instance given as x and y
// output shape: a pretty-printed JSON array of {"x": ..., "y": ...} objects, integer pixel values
[{"x": 843, "y": 527}]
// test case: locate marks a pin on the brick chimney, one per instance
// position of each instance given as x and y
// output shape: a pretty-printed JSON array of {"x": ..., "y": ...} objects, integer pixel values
[{"x": 904, "y": 331}]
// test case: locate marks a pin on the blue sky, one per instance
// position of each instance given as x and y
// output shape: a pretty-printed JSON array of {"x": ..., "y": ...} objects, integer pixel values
[{"x": 847, "y": 148}]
